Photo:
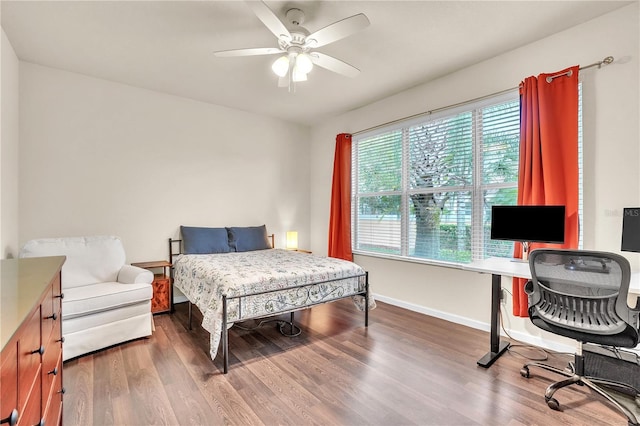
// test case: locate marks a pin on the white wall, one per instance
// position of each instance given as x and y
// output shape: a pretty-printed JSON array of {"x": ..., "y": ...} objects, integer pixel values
[
  {"x": 611, "y": 164},
  {"x": 97, "y": 157},
  {"x": 9, "y": 135}
]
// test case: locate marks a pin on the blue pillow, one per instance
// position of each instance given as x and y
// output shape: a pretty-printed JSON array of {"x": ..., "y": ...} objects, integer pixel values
[
  {"x": 204, "y": 240},
  {"x": 248, "y": 238}
]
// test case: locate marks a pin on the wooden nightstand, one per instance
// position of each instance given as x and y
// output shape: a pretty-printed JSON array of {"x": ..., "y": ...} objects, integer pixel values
[{"x": 162, "y": 288}]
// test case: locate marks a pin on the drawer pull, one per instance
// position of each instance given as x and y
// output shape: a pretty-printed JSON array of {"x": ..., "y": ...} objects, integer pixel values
[
  {"x": 12, "y": 418},
  {"x": 61, "y": 296},
  {"x": 54, "y": 371},
  {"x": 53, "y": 316},
  {"x": 61, "y": 340},
  {"x": 40, "y": 350},
  {"x": 62, "y": 391}
]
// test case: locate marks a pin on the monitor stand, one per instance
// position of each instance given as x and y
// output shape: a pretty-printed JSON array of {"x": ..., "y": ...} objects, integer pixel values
[{"x": 525, "y": 253}]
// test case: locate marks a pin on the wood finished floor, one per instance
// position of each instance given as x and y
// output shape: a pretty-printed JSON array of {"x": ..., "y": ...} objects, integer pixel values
[{"x": 404, "y": 369}]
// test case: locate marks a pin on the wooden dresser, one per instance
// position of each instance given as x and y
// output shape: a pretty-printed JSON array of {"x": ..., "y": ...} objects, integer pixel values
[{"x": 31, "y": 341}]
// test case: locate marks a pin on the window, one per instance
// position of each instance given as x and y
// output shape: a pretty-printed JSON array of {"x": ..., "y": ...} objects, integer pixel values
[{"x": 424, "y": 188}]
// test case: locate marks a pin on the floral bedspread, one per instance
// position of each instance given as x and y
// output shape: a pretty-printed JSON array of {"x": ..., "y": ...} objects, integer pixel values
[{"x": 266, "y": 278}]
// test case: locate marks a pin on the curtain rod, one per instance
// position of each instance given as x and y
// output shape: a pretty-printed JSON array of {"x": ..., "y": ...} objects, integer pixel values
[{"x": 605, "y": 61}]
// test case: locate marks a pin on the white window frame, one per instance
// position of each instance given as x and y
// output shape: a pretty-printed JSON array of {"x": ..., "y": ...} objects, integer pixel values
[{"x": 476, "y": 188}]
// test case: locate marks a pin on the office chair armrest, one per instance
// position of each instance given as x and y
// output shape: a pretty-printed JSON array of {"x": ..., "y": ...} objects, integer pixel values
[
  {"x": 528, "y": 288},
  {"x": 634, "y": 314},
  {"x": 533, "y": 297},
  {"x": 637, "y": 308}
]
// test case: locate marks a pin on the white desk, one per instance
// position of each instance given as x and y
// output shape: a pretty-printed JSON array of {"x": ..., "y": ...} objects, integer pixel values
[
  {"x": 501, "y": 266},
  {"x": 498, "y": 267}
]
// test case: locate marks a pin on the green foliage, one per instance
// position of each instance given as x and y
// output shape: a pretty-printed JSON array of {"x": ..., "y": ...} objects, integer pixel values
[{"x": 380, "y": 163}]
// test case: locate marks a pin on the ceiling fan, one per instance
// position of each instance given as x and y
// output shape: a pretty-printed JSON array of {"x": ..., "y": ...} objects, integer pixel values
[{"x": 297, "y": 46}]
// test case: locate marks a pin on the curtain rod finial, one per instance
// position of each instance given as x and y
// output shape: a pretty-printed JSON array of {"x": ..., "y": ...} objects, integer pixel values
[{"x": 607, "y": 60}]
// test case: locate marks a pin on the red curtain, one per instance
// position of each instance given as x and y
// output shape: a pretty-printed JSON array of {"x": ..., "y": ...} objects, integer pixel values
[
  {"x": 548, "y": 170},
  {"x": 340, "y": 215}
]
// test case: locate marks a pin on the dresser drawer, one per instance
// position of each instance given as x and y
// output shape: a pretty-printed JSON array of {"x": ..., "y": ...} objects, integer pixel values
[
  {"x": 47, "y": 315},
  {"x": 52, "y": 396},
  {"x": 51, "y": 365},
  {"x": 9, "y": 379},
  {"x": 51, "y": 309},
  {"x": 57, "y": 294},
  {"x": 29, "y": 357},
  {"x": 31, "y": 413}
]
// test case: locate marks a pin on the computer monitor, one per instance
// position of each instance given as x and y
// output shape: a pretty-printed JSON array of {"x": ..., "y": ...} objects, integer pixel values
[
  {"x": 527, "y": 224},
  {"x": 631, "y": 229}
]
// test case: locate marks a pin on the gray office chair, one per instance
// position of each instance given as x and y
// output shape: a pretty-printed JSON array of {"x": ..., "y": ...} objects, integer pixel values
[{"x": 583, "y": 295}]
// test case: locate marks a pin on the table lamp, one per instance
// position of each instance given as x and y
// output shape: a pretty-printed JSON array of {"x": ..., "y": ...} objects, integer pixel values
[{"x": 292, "y": 240}]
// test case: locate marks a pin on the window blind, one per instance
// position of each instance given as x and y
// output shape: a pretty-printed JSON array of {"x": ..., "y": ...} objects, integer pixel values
[{"x": 424, "y": 188}]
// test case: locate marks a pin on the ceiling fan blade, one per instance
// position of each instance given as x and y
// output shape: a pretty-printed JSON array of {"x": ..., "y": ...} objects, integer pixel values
[
  {"x": 333, "y": 64},
  {"x": 249, "y": 52},
  {"x": 337, "y": 30},
  {"x": 270, "y": 20}
]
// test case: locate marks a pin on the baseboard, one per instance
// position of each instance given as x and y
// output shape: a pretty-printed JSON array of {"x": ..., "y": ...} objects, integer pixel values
[
  {"x": 180, "y": 298},
  {"x": 478, "y": 325},
  {"x": 434, "y": 313}
]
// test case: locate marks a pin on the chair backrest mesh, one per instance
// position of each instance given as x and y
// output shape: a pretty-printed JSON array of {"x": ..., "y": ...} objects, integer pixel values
[{"x": 577, "y": 290}]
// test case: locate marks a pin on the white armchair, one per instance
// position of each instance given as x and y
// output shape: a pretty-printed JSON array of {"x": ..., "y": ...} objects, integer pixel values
[{"x": 105, "y": 300}]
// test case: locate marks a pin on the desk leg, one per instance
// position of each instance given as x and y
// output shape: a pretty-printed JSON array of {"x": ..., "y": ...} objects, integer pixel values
[{"x": 497, "y": 347}]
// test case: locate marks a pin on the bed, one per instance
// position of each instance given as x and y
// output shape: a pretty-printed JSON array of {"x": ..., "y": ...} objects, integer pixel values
[{"x": 234, "y": 275}]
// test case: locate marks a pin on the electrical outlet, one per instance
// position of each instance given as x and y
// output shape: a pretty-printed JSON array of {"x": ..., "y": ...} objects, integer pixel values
[{"x": 503, "y": 296}]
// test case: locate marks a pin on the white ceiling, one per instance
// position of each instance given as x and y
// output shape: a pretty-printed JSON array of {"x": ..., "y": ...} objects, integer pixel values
[{"x": 167, "y": 45}]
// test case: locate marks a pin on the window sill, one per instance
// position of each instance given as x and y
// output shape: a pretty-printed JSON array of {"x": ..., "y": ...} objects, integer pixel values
[{"x": 440, "y": 263}]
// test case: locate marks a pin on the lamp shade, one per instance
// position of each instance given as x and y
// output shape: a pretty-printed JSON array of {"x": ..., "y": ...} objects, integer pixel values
[
  {"x": 281, "y": 66},
  {"x": 303, "y": 63},
  {"x": 292, "y": 240}
]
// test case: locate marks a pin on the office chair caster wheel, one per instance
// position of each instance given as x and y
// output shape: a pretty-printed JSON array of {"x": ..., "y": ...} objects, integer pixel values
[
  {"x": 524, "y": 372},
  {"x": 553, "y": 403}
]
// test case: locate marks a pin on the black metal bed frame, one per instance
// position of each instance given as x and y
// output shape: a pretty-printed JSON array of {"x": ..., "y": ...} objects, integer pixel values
[{"x": 363, "y": 290}]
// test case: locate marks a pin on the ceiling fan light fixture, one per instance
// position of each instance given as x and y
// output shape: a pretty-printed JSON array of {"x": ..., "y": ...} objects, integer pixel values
[
  {"x": 281, "y": 66},
  {"x": 303, "y": 63}
]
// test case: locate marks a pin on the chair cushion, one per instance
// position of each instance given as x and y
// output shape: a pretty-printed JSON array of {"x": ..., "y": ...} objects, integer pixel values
[
  {"x": 90, "y": 260},
  {"x": 99, "y": 297}
]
